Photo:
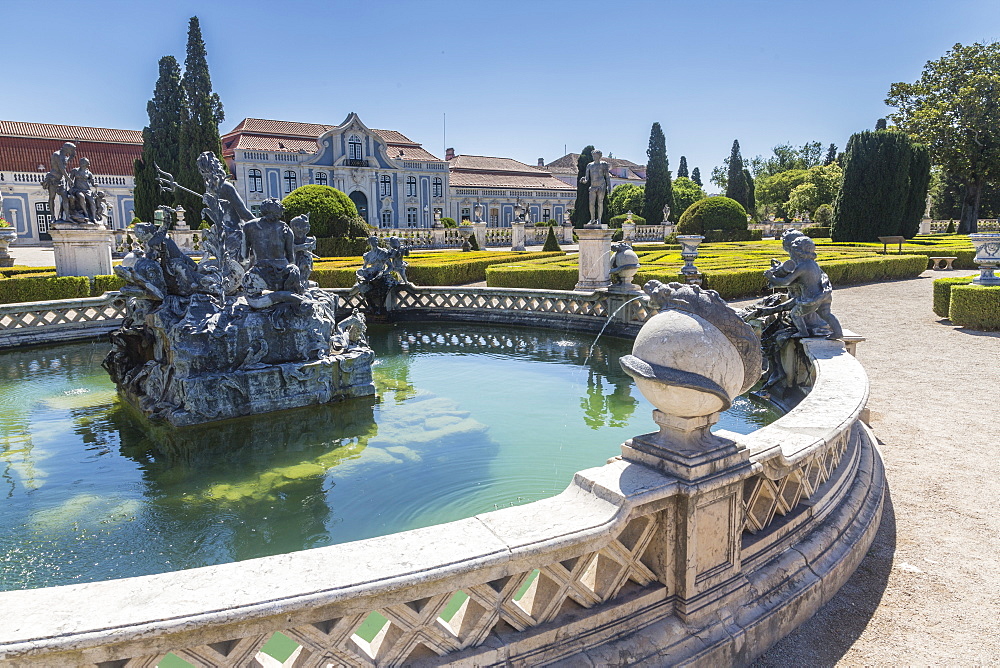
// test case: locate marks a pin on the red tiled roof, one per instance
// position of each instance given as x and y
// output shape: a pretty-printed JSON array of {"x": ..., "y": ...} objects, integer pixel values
[
  {"x": 506, "y": 180},
  {"x": 19, "y": 154},
  {"x": 287, "y": 128},
  {"x": 263, "y": 143},
  {"x": 259, "y": 134},
  {"x": 73, "y": 133},
  {"x": 569, "y": 161},
  {"x": 394, "y": 137},
  {"x": 483, "y": 163}
]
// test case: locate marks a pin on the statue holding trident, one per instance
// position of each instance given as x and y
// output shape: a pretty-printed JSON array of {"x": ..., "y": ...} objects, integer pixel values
[{"x": 598, "y": 175}]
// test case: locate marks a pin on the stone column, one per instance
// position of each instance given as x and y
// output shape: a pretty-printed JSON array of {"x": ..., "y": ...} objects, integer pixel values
[
  {"x": 517, "y": 236},
  {"x": 82, "y": 251},
  {"x": 480, "y": 231},
  {"x": 595, "y": 258},
  {"x": 566, "y": 232},
  {"x": 180, "y": 224},
  {"x": 437, "y": 237},
  {"x": 628, "y": 232}
]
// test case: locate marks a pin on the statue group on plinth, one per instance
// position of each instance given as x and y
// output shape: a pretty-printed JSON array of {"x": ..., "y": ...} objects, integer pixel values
[
  {"x": 243, "y": 330},
  {"x": 382, "y": 270},
  {"x": 73, "y": 198}
]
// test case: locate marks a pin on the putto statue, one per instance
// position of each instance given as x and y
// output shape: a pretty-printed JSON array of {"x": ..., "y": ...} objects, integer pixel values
[
  {"x": 242, "y": 331},
  {"x": 598, "y": 175},
  {"x": 382, "y": 270},
  {"x": 79, "y": 202}
]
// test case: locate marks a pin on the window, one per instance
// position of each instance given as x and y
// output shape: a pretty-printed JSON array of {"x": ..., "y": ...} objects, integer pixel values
[
  {"x": 546, "y": 214},
  {"x": 387, "y": 219},
  {"x": 411, "y": 217},
  {"x": 411, "y": 186},
  {"x": 355, "y": 152},
  {"x": 291, "y": 181},
  {"x": 321, "y": 179},
  {"x": 256, "y": 181},
  {"x": 43, "y": 217},
  {"x": 386, "y": 182},
  {"x": 494, "y": 217},
  {"x": 438, "y": 187},
  {"x": 466, "y": 214}
]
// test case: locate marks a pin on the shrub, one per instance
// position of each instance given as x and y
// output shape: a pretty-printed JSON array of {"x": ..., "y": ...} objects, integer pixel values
[
  {"x": 43, "y": 288},
  {"x": 686, "y": 193},
  {"x": 331, "y": 212},
  {"x": 816, "y": 232},
  {"x": 823, "y": 216},
  {"x": 617, "y": 221},
  {"x": 713, "y": 213},
  {"x": 733, "y": 235},
  {"x": 951, "y": 227},
  {"x": 105, "y": 283},
  {"x": 975, "y": 306},
  {"x": 474, "y": 242},
  {"x": 449, "y": 222},
  {"x": 942, "y": 293},
  {"x": 551, "y": 243},
  {"x": 340, "y": 247},
  {"x": 532, "y": 276}
]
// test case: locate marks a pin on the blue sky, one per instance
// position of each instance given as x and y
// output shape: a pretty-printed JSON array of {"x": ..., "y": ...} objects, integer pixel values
[{"x": 516, "y": 79}]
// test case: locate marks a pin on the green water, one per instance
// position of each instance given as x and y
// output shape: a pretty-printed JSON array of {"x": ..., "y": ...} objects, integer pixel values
[{"x": 470, "y": 419}]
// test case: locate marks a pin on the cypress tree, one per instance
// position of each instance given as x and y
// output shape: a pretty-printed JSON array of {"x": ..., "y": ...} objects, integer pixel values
[
  {"x": 658, "y": 187},
  {"x": 581, "y": 210},
  {"x": 204, "y": 113},
  {"x": 736, "y": 183},
  {"x": 161, "y": 139},
  {"x": 682, "y": 169},
  {"x": 916, "y": 200},
  {"x": 876, "y": 187},
  {"x": 880, "y": 124},
  {"x": 831, "y": 155},
  {"x": 696, "y": 176},
  {"x": 751, "y": 206}
]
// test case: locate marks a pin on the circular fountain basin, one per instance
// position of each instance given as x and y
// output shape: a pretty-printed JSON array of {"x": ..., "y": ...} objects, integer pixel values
[{"x": 468, "y": 420}]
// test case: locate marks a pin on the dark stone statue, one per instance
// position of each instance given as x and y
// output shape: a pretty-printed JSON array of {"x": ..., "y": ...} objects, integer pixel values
[
  {"x": 80, "y": 203},
  {"x": 241, "y": 332},
  {"x": 382, "y": 270}
]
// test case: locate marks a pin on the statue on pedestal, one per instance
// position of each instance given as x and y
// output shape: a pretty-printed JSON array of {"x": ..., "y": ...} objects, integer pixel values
[
  {"x": 80, "y": 204},
  {"x": 598, "y": 175}
]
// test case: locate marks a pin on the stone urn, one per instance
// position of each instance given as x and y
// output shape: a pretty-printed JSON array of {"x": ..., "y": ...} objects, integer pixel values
[
  {"x": 987, "y": 257},
  {"x": 8, "y": 235},
  {"x": 624, "y": 265}
]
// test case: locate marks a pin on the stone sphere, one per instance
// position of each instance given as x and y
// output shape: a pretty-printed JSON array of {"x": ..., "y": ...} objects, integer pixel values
[{"x": 686, "y": 342}]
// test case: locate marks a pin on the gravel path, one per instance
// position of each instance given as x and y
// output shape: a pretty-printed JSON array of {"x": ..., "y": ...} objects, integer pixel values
[{"x": 928, "y": 592}]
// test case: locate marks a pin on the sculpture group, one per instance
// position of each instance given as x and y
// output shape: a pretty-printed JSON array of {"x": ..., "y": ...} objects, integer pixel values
[
  {"x": 241, "y": 331},
  {"x": 73, "y": 197}
]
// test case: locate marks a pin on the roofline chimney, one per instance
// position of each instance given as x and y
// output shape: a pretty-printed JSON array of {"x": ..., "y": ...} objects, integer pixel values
[
  {"x": 449, "y": 154},
  {"x": 541, "y": 162}
]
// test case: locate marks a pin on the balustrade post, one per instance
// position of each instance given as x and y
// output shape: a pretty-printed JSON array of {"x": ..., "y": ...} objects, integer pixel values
[
  {"x": 517, "y": 236},
  {"x": 480, "y": 231},
  {"x": 595, "y": 258},
  {"x": 437, "y": 237},
  {"x": 628, "y": 232}
]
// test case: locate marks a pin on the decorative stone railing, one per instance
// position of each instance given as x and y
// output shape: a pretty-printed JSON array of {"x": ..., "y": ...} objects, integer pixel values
[
  {"x": 61, "y": 320},
  {"x": 630, "y": 563},
  {"x": 498, "y": 236}
]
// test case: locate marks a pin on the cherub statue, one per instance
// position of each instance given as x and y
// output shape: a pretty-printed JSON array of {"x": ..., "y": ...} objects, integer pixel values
[
  {"x": 304, "y": 246},
  {"x": 808, "y": 286}
]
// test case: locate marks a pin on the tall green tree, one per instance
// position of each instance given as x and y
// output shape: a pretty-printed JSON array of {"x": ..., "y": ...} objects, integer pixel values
[
  {"x": 736, "y": 182},
  {"x": 880, "y": 124},
  {"x": 658, "y": 189},
  {"x": 876, "y": 195},
  {"x": 696, "y": 176},
  {"x": 953, "y": 110},
  {"x": 581, "y": 210},
  {"x": 161, "y": 139},
  {"x": 916, "y": 199},
  {"x": 831, "y": 155},
  {"x": 682, "y": 168},
  {"x": 686, "y": 193},
  {"x": 627, "y": 197},
  {"x": 751, "y": 205},
  {"x": 204, "y": 113}
]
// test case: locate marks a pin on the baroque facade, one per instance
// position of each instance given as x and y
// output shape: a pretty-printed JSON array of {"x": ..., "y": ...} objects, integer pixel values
[
  {"x": 25, "y": 151},
  {"x": 390, "y": 178}
]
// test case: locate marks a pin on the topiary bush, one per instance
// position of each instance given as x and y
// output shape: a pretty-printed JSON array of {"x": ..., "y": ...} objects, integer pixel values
[
  {"x": 816, "y": 232},
  {"x": 975, "y": 306},
  {"x": 551, "y": 243},
  {"x": 449, "y": 222},
  {"x": 331, "y": 212},
  {"x": 340, "y": 247},
  {"x": 942, "y": 293},
  {"x": 618, "y": 221},
  {"x": 713, "y": 213},
  {"x": 823, "y": 216},
  {"x": 43, "y": 288}
]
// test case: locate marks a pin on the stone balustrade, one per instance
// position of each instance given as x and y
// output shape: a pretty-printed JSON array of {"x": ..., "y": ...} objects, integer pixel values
[{"x": 628, "y": 564}]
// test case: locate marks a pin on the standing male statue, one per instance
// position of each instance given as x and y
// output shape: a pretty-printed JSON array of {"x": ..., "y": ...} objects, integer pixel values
[
  {"x": 57, "y": 180},
  {"x": 598, "y": 175}
]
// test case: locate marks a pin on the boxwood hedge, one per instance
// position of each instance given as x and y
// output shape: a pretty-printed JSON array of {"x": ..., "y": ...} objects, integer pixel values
[
  {"x": 975, "y": 306},
  {"x": 942, "y": 293}
]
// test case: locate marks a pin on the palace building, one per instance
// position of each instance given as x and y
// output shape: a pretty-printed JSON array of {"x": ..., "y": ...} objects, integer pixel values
[{"x": 25, "y": 152}]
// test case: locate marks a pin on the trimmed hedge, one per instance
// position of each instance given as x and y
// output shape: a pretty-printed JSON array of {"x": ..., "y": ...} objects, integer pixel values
[
  {"x": 18, "y": 270},
  {"x": 817, "y": 231},
  {"x": 975, "y": 306},
  {"x": 105, "y": 283},
  {"x": 713, "y": 213},
  {"x": 942, "y": 293},
  {"x": 43, "y": 288},
  {"x": 341, "y": 247}
]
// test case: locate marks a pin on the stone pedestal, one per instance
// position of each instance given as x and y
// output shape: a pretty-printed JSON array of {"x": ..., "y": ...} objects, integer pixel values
[
  {"x": 479, "y": 229},
  {"x": 566, "y": 232},
  {"x": 628, "y": 232},
  {"x": 437, "y": 237},
  {"x": 925, "y": 226},
  {"x": 186, "y": 239},
  {"x": 595, "y": 258},
  {"x": 517, "y": 236},
  {"x": 8, "y": 235},
  {"x": 82, "y": 251}
]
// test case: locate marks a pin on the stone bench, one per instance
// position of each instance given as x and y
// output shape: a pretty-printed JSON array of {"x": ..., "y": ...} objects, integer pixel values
[
  {"x": 892, "y": 240},
  {"x": 942, "y": 263}
]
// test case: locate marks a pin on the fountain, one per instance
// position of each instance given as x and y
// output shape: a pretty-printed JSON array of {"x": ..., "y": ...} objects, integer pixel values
[{"x": 242, "y": 332}]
